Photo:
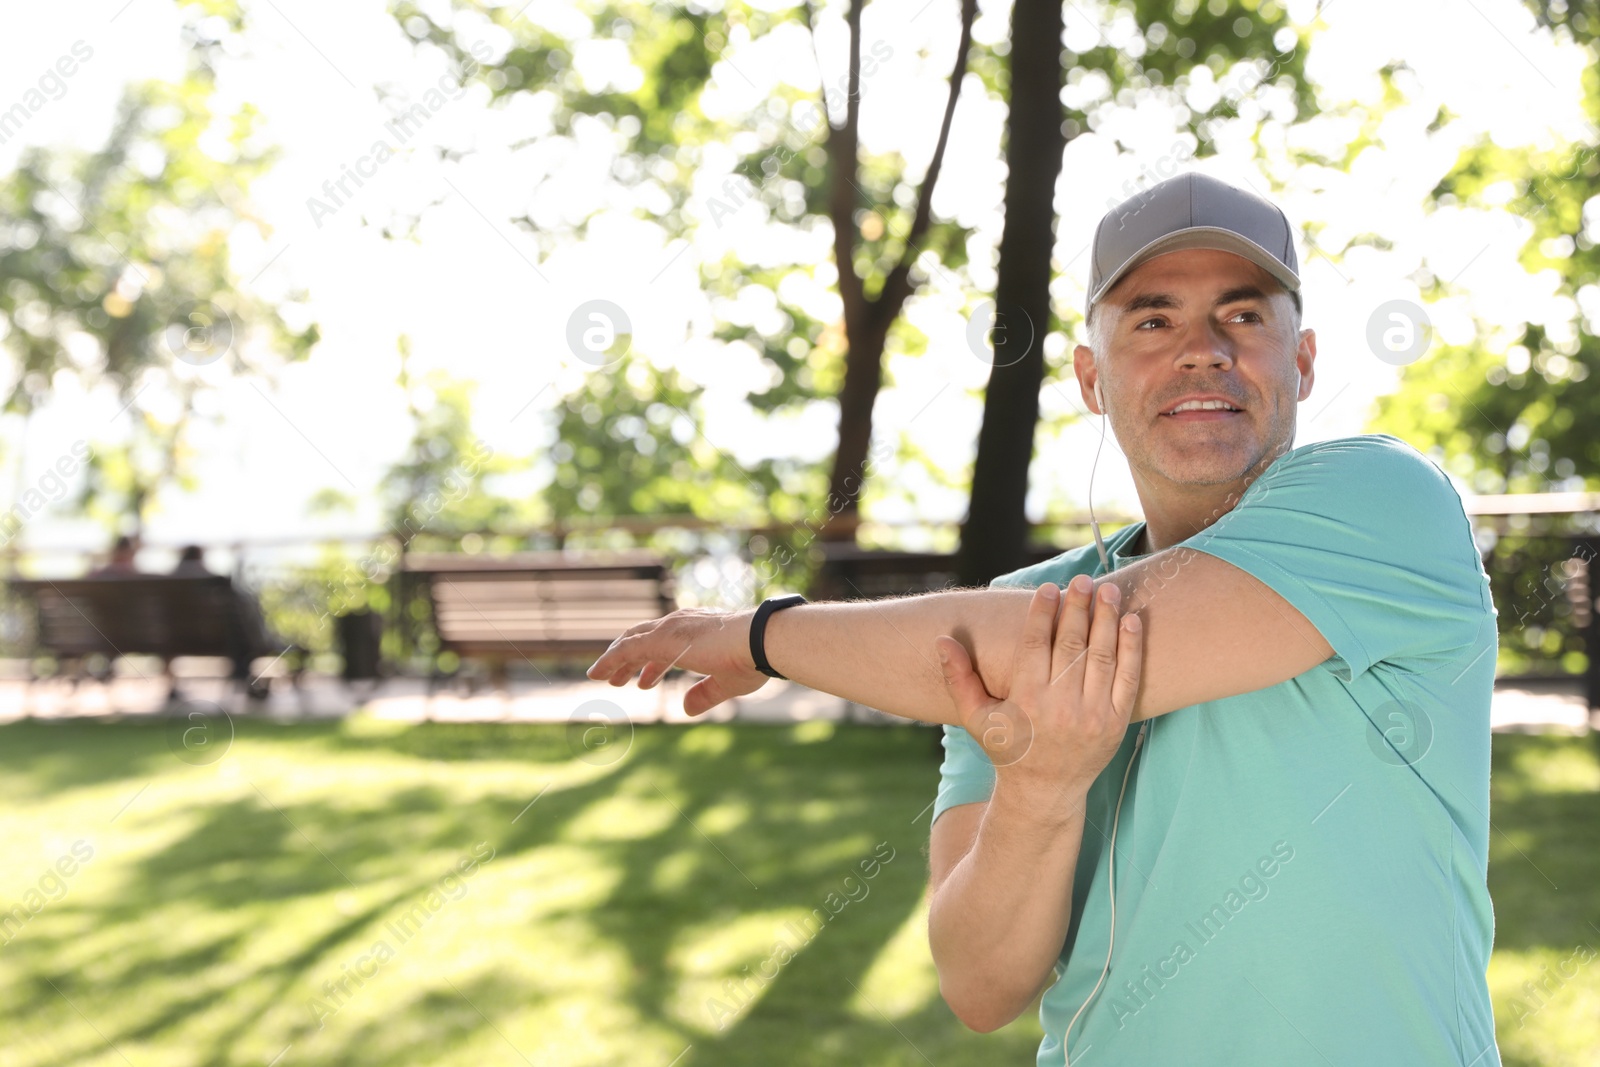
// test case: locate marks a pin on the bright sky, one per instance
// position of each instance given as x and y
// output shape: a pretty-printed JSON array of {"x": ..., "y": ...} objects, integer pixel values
[{"x": 475, "y": 296}]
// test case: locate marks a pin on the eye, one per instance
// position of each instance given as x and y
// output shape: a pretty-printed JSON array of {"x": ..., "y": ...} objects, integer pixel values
[
  {"x": 1254, "y": 316},
  {"x": 1157, "y": 320}
]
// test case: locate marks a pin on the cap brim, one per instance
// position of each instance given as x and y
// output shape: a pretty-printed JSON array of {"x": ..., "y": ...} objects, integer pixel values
[{"x": 1212, "y": 237}]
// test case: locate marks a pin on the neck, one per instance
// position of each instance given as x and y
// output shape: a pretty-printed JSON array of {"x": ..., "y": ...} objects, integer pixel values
[
  {"x": 1175, "y": 512},
  {"x": 1170, "y": 521}
]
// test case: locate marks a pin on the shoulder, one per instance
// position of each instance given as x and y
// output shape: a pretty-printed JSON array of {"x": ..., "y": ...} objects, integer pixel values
[
  {"x": 1368, "y": 451},
  {"x": 1369, "y": 489},
  {"x": 1376, "y": 466}
]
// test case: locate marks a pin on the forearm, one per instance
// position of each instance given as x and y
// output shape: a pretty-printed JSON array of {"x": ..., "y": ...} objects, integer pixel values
[
  {"x": 880, "y": 653},
  {"x": 997, "y": 923}
]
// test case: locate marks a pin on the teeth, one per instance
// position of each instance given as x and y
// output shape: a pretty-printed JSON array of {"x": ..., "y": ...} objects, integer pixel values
[{"x": 1203, "y": 405}]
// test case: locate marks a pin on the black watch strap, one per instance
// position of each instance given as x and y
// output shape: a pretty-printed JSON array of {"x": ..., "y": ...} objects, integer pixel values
[{"x": 758, "y": 630}]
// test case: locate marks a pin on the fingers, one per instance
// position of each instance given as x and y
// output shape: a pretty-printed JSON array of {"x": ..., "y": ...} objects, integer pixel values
[
  {"x": 704, "y": 695},
  {"x": 1130, "y": 662},
  {"x": 1031, "y": 668},
  {"x": 606, "y": 665},
  {"x": 618, "y": 664},
  {"x": 626, "y": 654},
  {"x": 1072, "y": 631},
  {"x": 967, "y": 693},
  {"x": 619, "y": 671},
  {"x": 1100, "y": 660}
]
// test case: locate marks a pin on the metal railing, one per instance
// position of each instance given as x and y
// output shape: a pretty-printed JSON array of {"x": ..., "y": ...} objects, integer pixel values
[{"x": 1541, "y": 551}]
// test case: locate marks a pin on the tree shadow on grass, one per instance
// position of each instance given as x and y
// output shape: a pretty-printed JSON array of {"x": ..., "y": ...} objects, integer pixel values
[
  {"x": 758, "y": 823},
  {"x": 44, "y": 758},
  {"x": 234, "y": 862},
  {"x": 436, "y": 1023},
  {"x": 811, "y": 814},
  {"x": 1544, "y": 848},
  {"x": 460, "y": 741}
]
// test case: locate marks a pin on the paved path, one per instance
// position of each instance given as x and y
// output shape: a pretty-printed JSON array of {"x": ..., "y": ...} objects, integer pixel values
[{"x": 1527, "y": 706}]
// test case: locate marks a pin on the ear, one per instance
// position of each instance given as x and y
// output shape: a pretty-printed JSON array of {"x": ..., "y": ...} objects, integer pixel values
[
  {"x": 1305, "y": 358},
  {"x": 1088, "y": 375}
]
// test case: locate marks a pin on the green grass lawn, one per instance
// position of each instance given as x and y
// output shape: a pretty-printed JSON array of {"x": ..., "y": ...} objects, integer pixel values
[{"x": 373, "y": 893}]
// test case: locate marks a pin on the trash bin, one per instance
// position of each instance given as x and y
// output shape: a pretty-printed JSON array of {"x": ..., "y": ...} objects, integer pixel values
[{"x": 360, "y": 637}]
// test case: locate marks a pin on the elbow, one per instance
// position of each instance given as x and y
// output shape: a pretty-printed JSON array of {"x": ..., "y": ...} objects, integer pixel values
[
  {"x": 979, "y": 1010},
  {"x": 983, "y": 1023}
]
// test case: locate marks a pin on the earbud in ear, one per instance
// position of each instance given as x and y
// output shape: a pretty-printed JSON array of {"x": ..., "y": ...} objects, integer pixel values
[{"x": 1098, "y": 399}]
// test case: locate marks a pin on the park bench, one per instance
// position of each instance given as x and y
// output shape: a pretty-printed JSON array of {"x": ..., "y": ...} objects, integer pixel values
[
  {"x": 546, "y": 604},
  {"x": 150, "y": 614}
]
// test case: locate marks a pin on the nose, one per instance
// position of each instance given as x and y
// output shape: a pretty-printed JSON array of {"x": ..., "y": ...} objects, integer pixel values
[{"x": 1205, "y": 347}]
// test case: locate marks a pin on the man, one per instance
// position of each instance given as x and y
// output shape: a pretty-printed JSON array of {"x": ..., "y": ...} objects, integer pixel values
[
  {"x": 192, "y": 563},
  {"x": 120, "y": 562},
  {"x": 1290, "y": 750}
]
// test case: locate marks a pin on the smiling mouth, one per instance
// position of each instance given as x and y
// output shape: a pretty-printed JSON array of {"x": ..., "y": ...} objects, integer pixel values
[{"x": 1202, "y": 415}]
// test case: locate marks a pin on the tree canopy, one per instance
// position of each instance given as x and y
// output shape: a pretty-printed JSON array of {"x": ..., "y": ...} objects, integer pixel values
[{"x": 116, "y": 272}]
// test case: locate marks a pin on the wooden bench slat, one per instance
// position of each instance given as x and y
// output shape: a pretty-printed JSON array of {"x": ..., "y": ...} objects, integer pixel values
[
  {"x": 458, "y": 622},
  {"x": 513, "y": 611},
  {"x": 540, "y": 591},
  {"x": 545, "y": 577},
  {"x": 501, "y": 650},
  {"x": 548, "y": 605},
  {"x": 503, "y": 614}
]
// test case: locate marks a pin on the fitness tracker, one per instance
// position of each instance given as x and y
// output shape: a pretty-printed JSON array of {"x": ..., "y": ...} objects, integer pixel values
[{"x": 758, "y": 630}]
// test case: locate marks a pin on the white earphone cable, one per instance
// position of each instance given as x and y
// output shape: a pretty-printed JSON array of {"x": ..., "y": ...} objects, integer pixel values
[
  {"x": 1094, "y": 524},
  {"x": 1111, "y": 887},
  {"x": 1138, "y": 741}
]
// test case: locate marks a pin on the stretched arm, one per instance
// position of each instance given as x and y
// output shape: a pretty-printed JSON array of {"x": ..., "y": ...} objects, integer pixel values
[
  {"x": 1002, "y": 872},
  {"x": 874, "y": 652},
  {"x": 881, "y": 653},
  {"x": 1211, "y": 631}
]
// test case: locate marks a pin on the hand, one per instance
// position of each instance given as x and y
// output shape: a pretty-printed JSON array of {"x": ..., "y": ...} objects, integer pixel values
[
  {"x": 713, "y": 643},
  {"x": 1073, "y": 685}
]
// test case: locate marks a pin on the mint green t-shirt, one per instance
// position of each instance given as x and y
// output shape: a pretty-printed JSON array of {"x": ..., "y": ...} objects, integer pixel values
[{"x": 1301, "y": 870}]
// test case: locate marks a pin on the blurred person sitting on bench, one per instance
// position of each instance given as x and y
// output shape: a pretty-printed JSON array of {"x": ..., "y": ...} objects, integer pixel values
[
  {"x": 119, "y": 565},
  {"x": 191, "y": 564},
  {"x": 123, "y": 549}
]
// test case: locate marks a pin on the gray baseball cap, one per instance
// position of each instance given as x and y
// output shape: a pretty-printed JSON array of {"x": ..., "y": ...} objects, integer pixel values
[{"x": 1191, "y": 210}]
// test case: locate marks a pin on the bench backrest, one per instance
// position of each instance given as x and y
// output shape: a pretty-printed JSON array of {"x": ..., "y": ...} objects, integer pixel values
[
  {"x": 155, "y": 614},
  {"x": 572, "y": 609}
]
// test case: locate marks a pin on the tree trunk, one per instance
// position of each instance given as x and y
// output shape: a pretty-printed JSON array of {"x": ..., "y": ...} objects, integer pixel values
[
  {"x": 867, "y": 320},
  {"x": 863, "y": 378},
  {"x": 994, "y": 538}
]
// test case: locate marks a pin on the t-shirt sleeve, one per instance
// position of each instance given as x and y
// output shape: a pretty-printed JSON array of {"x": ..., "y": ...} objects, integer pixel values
[
  {"x": 1367, "y": 538},
  {"x": 967, "y": 774}
]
